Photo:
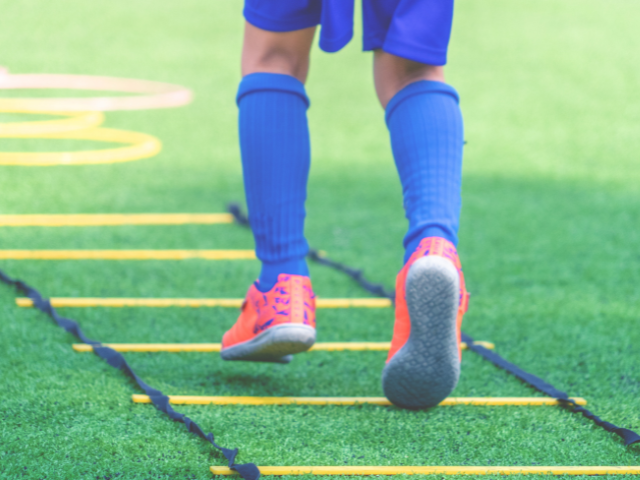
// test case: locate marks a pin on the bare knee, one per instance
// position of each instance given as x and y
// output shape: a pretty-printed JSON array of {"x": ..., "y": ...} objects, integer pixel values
[
  {"x": 276, "y": 52},
  {"x": 392, "y": 73}
]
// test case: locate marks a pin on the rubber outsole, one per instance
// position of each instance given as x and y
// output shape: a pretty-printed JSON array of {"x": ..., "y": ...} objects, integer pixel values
[
  {"x": 277, "y": 344},
  {"x": 426, "y": 369}
]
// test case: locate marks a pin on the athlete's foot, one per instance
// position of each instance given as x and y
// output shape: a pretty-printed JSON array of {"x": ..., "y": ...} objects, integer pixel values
[
  {"x": 274, "y": 325},
  {"x": 423, "y": 365}
]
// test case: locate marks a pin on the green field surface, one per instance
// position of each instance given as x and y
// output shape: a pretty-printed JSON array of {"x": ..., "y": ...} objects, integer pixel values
[{"x": 549, "y": 241}]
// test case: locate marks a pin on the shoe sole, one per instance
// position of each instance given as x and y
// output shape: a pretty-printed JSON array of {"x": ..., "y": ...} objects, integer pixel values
[
  {"x": 426, "y": 369},
  {"x": 277, "y": 344}
]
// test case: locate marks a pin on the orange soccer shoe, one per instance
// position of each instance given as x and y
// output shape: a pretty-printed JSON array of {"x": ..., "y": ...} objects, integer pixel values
[
  {"x": 273, "y": 325},
  {"x": 423, "y": 365}
]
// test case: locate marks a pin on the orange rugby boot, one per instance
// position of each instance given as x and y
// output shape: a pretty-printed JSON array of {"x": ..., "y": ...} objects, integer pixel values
[
  {"x": 273, "y": 325},
  {"x": 423, "y": 365}
]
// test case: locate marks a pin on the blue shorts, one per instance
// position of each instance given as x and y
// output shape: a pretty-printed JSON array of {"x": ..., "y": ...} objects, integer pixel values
[{"x": 415, "y": 29}]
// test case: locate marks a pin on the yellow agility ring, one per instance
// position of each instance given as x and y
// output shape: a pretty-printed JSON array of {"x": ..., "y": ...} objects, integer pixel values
[
  {"x": 73, "y": 121},
  {"x": 82, "y": 116},
  {"x": 141, "y": 146},
  {"x": 75, "y": 126}
]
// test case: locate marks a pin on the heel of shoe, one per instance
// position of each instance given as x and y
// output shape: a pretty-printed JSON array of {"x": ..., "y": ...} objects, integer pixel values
[
  {"x": 277, "y": 344},
  {"x": 426, "y": 369}
]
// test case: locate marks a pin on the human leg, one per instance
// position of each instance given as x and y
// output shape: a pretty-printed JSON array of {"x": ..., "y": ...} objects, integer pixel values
[
  {"x": 274, "y": 143},
  {"x": 278, "y": 316},
  {"x": 392, "y": 73},
  {"x": 286, "y": 53},
  {"x": 425, "y": 127}
]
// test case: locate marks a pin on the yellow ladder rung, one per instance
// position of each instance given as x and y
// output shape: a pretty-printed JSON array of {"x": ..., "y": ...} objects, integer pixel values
[
  {"x": 75, "y": 302},
  {"x": 126, "y": 254},
  {"x": 111, "y": 219},
  {"x": 230, "y": 400},
  {"x": 215, "y": 347},
  {"x": 438, "y": 470}
]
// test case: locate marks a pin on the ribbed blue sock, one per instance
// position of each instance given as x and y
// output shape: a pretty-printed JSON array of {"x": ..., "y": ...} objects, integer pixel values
[
  {"x": 425, "y": 125},
  {"x": 276, "y": 156}
]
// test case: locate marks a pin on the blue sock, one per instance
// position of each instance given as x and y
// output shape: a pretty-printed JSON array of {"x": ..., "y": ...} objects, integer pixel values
[
  {"x": 276, "y": 156},
  {"x": 425, "y": 125}
]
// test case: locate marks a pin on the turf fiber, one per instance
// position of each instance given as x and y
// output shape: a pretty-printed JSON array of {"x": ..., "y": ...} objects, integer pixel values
[{"x": 549, "y": 243}]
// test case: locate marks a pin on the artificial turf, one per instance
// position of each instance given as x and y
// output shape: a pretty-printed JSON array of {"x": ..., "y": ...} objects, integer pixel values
[{"x": 549, "y": 242}]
